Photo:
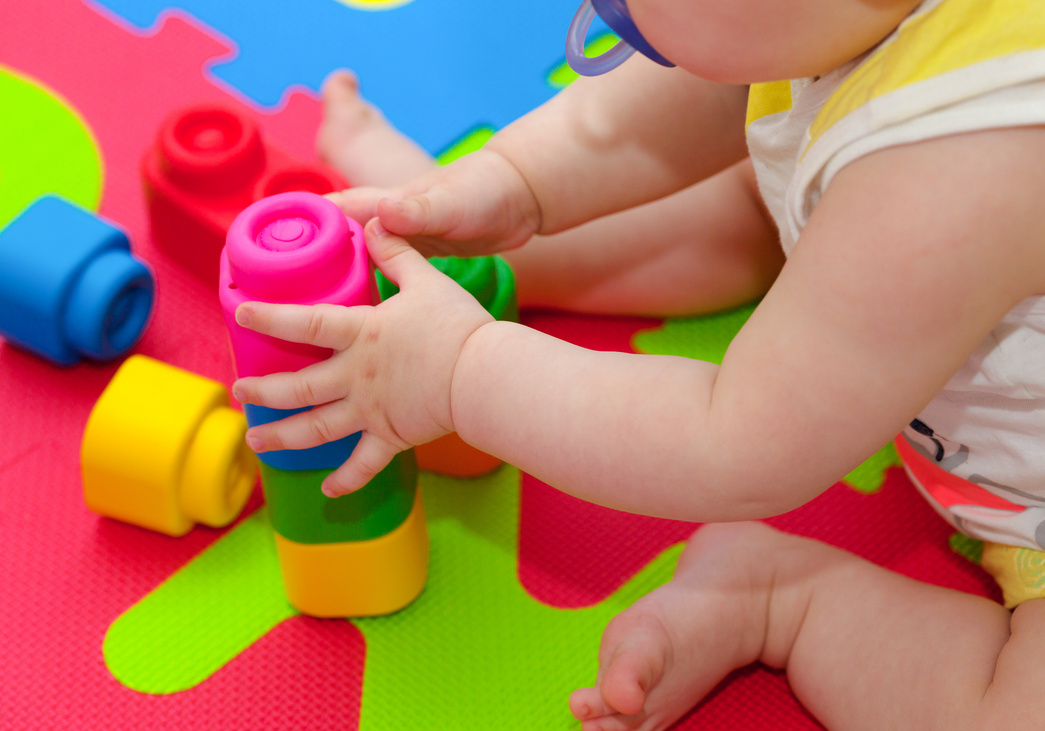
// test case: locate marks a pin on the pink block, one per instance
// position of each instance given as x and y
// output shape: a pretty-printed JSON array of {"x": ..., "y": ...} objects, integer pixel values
[{"x": 294, "y": 248}]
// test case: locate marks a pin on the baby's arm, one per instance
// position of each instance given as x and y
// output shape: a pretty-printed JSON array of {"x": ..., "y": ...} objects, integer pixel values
[
  {"x": 609, "y": 143},
  {"x": 910, "y": 259},
  {"x": 602, "y": 145}
]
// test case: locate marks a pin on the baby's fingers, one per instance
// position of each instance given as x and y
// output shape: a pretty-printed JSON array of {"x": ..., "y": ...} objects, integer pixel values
[
  {"x": 360, "y": 202},
  {"x": 436, "y": 212},
  {"x": 325, "y": 326},
  {"x": 320, "y": 425},
  {"x": 317, "y": 384},
  {"x": 394, "y": 256},
  {"x": 370, "y": 456}
]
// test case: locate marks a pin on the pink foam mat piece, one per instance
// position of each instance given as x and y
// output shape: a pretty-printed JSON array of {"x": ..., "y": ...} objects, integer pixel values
[{"x": 66, "y": 574}]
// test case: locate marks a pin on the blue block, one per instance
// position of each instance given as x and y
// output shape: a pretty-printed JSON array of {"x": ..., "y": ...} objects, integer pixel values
[
  {"x": 327, "y": 456},
  {"x": 70, "y": 288}
]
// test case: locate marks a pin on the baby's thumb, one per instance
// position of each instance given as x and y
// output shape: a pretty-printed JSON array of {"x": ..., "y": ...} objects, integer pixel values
[
  {"x": 394, "y": 256},
  {"x": 371, "y": 455},
  {"x": 432, "y": 213},
  {"x": 358, "y": 203}
]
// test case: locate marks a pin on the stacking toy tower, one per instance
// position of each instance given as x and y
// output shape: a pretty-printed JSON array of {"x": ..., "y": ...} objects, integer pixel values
[
  {"x": 361, "y": 554},
  {"x": 164, "y": 450},
  {"x": 491, "y": 281},
  {"x": 206, "y": 165},
  {"x": 70, "y": 288}
]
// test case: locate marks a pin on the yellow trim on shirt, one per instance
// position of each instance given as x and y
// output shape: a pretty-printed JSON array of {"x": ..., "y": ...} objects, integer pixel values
[
  {"x": 953, "y": 35},
  {"x": 767, "y": 98}
]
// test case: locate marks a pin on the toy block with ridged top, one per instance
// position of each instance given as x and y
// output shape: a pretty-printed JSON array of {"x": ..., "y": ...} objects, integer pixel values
[
  {"x": 358, "y": 555},
  {"x": 163, "y": 450},
  {"x": 70, "y": 288},
  {"x": 206, "y": 165},
  {"x": 291, "y": 248}
]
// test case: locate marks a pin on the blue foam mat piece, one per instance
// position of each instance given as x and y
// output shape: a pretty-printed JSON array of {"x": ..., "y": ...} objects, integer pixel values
[{"x": 436, "y": 68}]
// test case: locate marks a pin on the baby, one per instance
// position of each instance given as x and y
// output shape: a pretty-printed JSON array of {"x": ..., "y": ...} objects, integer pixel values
[{"x": 899, "y": 172}]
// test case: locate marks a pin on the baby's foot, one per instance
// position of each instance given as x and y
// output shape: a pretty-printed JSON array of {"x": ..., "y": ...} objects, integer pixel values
[
  {"x": 357, "y": 140},
  {"x": 662, "y": 655}
]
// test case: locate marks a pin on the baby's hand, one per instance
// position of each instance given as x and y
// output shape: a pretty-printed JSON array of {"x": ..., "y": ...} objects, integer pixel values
[
  {"x": 479, "y": 204},
  {"x": 390, "y": 373}
]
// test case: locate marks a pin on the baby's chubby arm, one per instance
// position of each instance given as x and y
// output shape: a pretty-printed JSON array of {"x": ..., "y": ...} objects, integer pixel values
[
  {"x": 910, "y": 259},
  {"x": 603, "y": 144}
]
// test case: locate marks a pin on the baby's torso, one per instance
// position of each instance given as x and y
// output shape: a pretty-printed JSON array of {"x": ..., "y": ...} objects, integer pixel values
[{"x": 953, "y": 66}]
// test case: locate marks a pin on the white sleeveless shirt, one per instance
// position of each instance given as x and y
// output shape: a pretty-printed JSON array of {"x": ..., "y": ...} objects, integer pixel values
[{"x": 952, "y": 66}]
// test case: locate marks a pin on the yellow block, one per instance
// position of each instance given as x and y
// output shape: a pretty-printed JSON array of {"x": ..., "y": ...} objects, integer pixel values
[
  {"x": 358, "y": 578},
  {"x": 163, "y": 450}
]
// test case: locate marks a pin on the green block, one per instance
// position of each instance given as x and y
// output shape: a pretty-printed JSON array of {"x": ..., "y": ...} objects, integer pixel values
[
  {"x": 302, "y": 513},
  {"x": 489, "y": 279}
]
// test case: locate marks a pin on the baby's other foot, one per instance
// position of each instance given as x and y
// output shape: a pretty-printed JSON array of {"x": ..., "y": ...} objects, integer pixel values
[
  {"x": 356, "y": 139},
  {"x": 663, "y": 654},
  {"x": 640, "y": 651}
]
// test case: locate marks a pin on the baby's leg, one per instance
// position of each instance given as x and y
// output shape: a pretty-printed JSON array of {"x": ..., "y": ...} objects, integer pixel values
[
  {"x": 357, "y": 141},
  {"x": 706, "y": 248},
  {"x": 864, "y": 648}
]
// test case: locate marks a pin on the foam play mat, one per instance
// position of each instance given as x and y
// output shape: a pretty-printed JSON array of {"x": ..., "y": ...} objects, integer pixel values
[{"x": 104, "y": 625}]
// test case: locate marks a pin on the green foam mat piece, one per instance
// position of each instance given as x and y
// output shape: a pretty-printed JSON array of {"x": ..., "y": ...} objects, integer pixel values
[
  {"x": 470, "y": 141},
  {"x": 207, "y": 613},
  {"x": 455, "y": 657},
  {"x": 463, "y": 650},
  {"x": 870, "y": 475},
  {"x": 56, "y": 152},
  {"x": 966, "y": 547},
  {"x": 703, "y": 338}
]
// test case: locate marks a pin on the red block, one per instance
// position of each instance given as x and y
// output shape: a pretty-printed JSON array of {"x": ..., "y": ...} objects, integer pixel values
[{"x": 207, "y": 164}]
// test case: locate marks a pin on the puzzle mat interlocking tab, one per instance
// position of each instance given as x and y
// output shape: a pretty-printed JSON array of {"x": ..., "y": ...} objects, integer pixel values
[
  {"x": 435, "y": 67},
  {"x": 105, "y": 626}
]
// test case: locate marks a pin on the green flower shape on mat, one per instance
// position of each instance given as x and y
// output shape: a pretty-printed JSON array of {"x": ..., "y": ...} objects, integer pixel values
[
  {"x": 966, "y": 547},
  {"x": 45, "y": 147},
  {"x": 707, "y": 337},
  {"x": 473, "y": 635}
]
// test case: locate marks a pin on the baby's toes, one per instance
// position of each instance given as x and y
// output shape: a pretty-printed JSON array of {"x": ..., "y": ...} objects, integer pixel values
[
  {"x": 340, "y": 86},
  {"x": 346, "y": 116},
  {"x": 615, "y": 722},
  {"x": 587, "y": 704},
  {"x": 634, "y": 669}
]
